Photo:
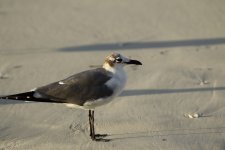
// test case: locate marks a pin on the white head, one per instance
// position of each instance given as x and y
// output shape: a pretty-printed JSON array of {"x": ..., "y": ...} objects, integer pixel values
[{"x": 116, "y": 61}]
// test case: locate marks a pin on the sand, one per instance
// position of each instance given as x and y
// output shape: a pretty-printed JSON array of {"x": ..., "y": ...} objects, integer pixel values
[{"x": 174, "y": 101}]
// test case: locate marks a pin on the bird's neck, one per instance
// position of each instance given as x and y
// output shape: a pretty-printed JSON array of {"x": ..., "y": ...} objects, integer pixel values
[
  {"x": 119, "y": 77},
  {"x": 113, "y": 69}
]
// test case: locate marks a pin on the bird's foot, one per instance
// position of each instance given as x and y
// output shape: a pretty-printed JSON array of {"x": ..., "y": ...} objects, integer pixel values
[
  {"x": 100, "y": 138},
  {"x": 101, "y": 135}
]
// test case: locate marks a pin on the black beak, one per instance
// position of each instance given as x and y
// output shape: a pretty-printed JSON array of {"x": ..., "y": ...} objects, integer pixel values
[{"x": 135, "y": 62}]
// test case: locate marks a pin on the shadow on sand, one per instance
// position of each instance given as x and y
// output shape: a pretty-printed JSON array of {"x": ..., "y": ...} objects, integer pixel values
[
  {"x": 138, "y": 92},
  {"x": 144, "y": 45}
]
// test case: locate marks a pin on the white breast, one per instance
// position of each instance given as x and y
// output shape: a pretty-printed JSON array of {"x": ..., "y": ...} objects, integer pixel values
[{"x": 117, "y": 83}]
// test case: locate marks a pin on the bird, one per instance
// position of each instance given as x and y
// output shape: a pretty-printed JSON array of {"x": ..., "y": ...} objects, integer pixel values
[{"x": 87, "y": 90}]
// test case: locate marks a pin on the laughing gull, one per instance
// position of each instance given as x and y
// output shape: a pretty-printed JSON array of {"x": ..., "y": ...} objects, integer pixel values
[{"x": 86, "y": 90}]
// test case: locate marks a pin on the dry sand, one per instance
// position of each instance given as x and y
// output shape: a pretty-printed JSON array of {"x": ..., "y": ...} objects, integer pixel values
[{"x": 181, "y": 44}]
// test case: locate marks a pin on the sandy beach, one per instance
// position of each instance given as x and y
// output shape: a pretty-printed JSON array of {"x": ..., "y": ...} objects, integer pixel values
[{"x": 175, "y": 101}]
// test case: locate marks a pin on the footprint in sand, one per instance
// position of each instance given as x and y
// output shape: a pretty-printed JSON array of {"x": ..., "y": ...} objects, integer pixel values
[{"x": 77, "y": 127}]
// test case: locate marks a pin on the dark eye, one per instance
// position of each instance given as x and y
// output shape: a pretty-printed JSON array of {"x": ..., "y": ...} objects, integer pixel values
[{"x": 118, "y": 59}]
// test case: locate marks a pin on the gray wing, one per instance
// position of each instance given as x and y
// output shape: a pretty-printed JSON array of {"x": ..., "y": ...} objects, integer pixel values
[{"x": 79, "y": 88}]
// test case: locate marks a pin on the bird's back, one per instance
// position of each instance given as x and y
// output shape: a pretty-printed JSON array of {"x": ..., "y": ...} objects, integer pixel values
[{"x": 79, "y": 88}]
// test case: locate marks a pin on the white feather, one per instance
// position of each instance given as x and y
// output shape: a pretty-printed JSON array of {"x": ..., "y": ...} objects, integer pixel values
[
  {"x": 60, "y": 82},
  {"x": 117, "y": 83}
]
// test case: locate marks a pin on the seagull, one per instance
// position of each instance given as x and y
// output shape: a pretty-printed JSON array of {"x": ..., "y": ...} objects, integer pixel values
[{"x": 87, "y": 90}]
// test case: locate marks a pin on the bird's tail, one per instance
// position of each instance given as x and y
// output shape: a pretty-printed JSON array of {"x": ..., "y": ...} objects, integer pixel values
[{"x": 28, "y": 97}]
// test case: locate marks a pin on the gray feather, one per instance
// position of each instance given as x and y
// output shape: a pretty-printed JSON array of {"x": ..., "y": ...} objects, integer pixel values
[{"x": 79, "y": 88}]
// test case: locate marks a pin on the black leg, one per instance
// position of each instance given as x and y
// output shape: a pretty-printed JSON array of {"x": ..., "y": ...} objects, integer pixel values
[
  {"x": 95, "y": 137},
  {"x": 93, "y": 124},
  {"x": 90, "y": 123}
]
